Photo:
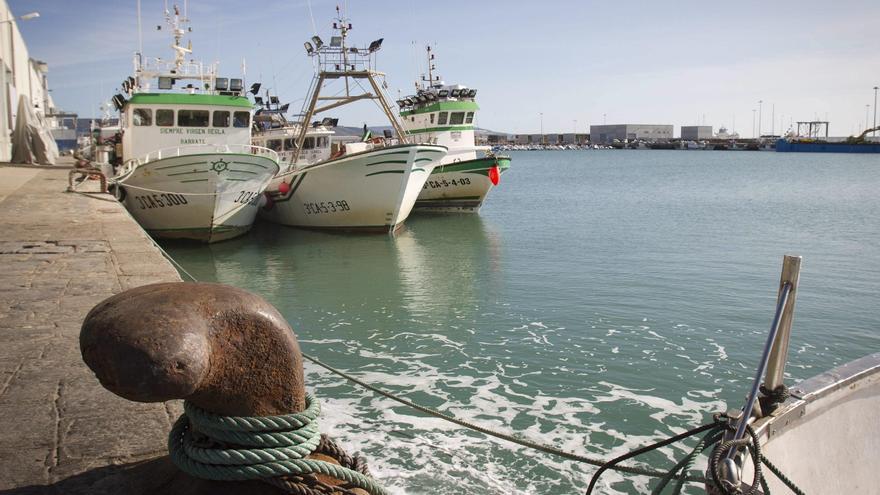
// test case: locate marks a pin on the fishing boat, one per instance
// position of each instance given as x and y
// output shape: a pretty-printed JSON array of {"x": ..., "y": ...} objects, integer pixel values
[
  {"x": 370, "y": 185},
  {"x": 444, "y": 114},
  {"x": 188, "y": 169}
]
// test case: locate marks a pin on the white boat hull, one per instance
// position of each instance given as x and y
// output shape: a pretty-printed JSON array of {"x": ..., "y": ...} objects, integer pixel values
[
  {"x": 461, "y": 186},
  {"x": 370, "y": 191},
  {"x": 206, "y": 197},
  {"x": 824, "y": 438}
]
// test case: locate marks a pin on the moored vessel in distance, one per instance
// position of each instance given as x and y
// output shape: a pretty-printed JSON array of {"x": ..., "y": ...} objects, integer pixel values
[
  {"x": 188, "y": 168},
  {"x": 809, "y": 139},
  {"x": 369, "y": 185},
  {"x": 444, "y": 114}
]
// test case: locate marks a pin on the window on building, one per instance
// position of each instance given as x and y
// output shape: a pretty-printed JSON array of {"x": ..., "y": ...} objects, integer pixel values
[
  {"x": 241, "y": 119},
  {"x": 441, "y": 117},
  {"x": 456, "y": 118},
  {"x": 470, "y": 118},
  {"x": 165, "y": 118},
  {"x": 193, "y": 118},
  {"x": 142, "y": 117},
  {"x": 274, "y": 144},
  {"x": 221, "y": 119}
]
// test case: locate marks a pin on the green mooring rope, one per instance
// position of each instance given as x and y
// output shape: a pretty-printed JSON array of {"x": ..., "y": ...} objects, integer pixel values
[{"x": 276, "y": 446}]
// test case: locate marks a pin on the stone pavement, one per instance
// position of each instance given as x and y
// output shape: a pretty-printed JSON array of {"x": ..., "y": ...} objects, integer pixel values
[{"x": 60, "y": 254}]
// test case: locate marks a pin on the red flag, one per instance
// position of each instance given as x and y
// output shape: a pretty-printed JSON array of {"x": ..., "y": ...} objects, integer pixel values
[{"x": 494, "y": 174}]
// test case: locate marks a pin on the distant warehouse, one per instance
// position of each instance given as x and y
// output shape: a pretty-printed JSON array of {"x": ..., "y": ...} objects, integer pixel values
[
  {"x": 692, "y": 132},
  {"x": 604, "y": 134}
]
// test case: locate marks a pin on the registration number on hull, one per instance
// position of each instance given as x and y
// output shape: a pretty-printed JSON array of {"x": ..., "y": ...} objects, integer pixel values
[{"x": 164, "y": 200}]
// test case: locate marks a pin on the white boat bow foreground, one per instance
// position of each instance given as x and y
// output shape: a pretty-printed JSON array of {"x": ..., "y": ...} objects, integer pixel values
[{"x": 202, "y": 192}]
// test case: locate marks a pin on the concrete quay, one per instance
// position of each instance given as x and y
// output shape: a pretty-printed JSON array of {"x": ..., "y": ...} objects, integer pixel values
[{"x": 60, "y": 254}]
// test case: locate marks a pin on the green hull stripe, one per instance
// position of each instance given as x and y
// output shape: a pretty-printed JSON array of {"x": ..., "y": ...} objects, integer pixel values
[
  {"x": 424, "y": 159},
  {"x": 387, "y": 161},
  {"x": 195, "y": 180},
  {"x": 478, "y": 165},
  {"x": 443, "y": 106},
  {"x": 187, "y": 99},
  {"x": 460, "y": 198},
  {"x": 252, "y": 164},
  {"x": 387, "y": 172},
  {"x": 238, "y": 180},
  {"x": 405, "y": 152},
  {"x": 188, "y": 173},
  {"x": 296, "y": 186},
  {"x": 181, "y": 165},
  {"x": 441, "y": 129},
  {"x": 244, "y": 172}
]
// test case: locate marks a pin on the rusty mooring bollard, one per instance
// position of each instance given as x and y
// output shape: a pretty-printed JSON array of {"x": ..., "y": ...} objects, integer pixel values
[{"x": 222, "y": 349}]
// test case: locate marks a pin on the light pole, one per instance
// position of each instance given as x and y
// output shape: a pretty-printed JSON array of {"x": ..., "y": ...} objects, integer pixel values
[
  {"x": 760, "y": 102},
  {"x": 542, "y": 127},
  {"x": 574, "y": 138},
  {"x": 604, "y": 121},
  {"x": 867, "y": 107},
  {"x": 753, "y": 123},
  {"x": 875, "y": 109},
  {"x": 25, "y": 17}
]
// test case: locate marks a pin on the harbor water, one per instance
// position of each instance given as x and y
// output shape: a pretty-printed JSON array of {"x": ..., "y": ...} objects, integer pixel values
[{"x": 600, "y": 301}]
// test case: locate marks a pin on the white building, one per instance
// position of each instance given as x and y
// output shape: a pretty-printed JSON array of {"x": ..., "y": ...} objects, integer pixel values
[
  {"x": 19, "y": 75},
  {"x": 695, "y": 132},
  {"x": 604, "y": 134}
]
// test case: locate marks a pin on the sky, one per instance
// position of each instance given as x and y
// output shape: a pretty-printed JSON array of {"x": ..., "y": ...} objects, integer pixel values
[{"x": 552, "y": 65}]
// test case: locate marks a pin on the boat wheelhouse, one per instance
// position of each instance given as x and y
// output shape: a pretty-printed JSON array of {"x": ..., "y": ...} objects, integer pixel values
[
  {"x": 188, "y": 167},
  {"x": 369, "y": 185},
  {"x": 444, "y": 114}
]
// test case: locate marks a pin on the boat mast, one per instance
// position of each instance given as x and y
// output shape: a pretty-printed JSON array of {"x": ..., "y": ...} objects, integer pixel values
[{"x": 339, "y": 61}]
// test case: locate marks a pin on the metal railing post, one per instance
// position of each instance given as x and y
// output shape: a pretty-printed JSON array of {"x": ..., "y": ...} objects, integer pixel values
[{"x": 791, "y": 267}]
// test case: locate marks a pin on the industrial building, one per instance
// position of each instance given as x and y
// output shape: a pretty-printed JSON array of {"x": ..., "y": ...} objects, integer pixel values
[
  {"x": 604, "y": 134},
  {"x": 696, "y": 132},
  {"x": 20, "y": 76}
]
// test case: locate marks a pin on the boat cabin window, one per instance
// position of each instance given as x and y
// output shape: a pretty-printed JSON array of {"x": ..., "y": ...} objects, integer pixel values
[
  {"x": 309, "y": 144},
  {"x": 432, "y": 118},
  {"x": 192, "y": 118},
  {"x": 323, "y": 142},
  {"x": 241, "y": 119},
  {"x": 456, "y": 118},
  {"x": 470, "y": 118},
  {"x": 221, "y": 119},
  {"x": 165, "y": 118},
  {"x": 142, "y": 116},
  {"x": 274, "y": 144},
  {"x": 441, "y": 117},
  {"x": 289, "y": 144}
]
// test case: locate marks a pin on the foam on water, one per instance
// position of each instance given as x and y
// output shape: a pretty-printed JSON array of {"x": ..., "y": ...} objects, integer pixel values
[{"x": 599, "y": 302}]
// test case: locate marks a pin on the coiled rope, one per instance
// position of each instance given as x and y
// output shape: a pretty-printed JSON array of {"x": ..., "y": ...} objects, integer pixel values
[{"x": 264, "y": 447}]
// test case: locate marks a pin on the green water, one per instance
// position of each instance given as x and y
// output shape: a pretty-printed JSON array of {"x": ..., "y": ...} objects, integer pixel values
[{"x": 601, "y": 300}]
